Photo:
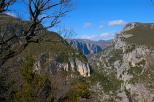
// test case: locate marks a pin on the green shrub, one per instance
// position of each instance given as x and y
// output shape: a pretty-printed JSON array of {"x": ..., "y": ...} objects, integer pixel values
[
  {"x": 79, "y": 89},
  {"x": 115, "y": 55},
  {"x": 35, "y": 87},
  {"x": 108, "y": 82},
  {"x": 27, "y": 69}
]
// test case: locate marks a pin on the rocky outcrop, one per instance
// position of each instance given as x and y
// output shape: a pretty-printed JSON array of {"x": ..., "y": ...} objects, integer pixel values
[
  {"x": 50, "y": 64},
  {"x": 131, "y": 59}
]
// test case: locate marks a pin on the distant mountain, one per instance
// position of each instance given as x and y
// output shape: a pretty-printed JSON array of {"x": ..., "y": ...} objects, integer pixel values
[{"x": 89, "y": 47}]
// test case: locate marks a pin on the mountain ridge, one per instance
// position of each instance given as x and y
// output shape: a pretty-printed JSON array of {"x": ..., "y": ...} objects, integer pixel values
[{"x": 128, "y": 63}]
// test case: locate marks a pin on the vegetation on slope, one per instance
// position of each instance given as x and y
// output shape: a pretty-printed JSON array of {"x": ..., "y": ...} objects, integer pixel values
[
  {"x": 22, "y": 84},
  {"x": 143, "y": 34}
]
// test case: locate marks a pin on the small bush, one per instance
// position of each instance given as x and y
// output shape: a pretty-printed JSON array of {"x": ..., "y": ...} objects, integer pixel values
[
  {"x": 108, "y": 82},
  {"x": 35, "y": 87},
  {"x": 79, "y": 89}
]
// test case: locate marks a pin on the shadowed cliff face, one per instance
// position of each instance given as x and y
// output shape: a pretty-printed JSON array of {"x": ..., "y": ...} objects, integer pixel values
[
  {"x": 89, "y": 47},
  {"x": 131, "y": 60}
]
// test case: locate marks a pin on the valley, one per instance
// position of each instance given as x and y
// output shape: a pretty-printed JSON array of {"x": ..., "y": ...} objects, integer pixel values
[{"x": 110, "y": 60}]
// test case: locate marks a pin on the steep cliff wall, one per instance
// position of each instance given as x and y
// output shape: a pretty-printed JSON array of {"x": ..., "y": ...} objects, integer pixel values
[{"x": 131, "y": 60}]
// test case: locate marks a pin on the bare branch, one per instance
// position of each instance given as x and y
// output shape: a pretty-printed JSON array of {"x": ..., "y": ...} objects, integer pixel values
[
  {"x": 4, "y": 4},
  {"x": 53, "y": 11}
]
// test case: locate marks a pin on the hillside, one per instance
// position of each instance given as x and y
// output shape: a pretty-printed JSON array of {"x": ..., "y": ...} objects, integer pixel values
[
  {"x": 44, "y": 71},
  {"x": 140, "y": 33},
  {"x": 89, "y": 47},
  {"x": 128, "y": 65},
  {"x": 50, "y": 42}
]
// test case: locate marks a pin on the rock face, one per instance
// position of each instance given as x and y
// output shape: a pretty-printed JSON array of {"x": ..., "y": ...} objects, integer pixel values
[
  {"x": 52, "y": 65},
  {"x": 131, "y": 60},
  {"x": 89, "y": 47}
]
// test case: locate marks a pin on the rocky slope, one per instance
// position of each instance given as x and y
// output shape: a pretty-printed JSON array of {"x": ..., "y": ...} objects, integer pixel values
[
  {"x": 128, "y": 65},
  {"x": 89, "y": 47}
]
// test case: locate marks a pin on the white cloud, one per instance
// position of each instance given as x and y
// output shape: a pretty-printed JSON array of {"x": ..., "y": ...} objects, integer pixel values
[
  {"x": 107, "y": 36},
  {"x": 117, "y": 23},
  {"x": 89, "y": 36},
  {"x": 103, "y": 36},
  {"x": 87, "y": 25}
]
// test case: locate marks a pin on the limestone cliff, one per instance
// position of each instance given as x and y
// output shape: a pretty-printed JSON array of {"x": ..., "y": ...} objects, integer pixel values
[
  {"x": 131, "y": 60},
  {"x": 52, "y": 65}
]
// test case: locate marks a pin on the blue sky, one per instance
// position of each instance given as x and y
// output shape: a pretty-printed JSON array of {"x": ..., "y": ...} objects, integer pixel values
[{"x": 100, "y": 19}]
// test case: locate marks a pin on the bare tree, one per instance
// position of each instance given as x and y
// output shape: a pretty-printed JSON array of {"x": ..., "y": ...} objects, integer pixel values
[
  {"x": 41, "y": 11},
  {"x": 49, "y": 11},
  {"x": 4, "y": 4}
]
